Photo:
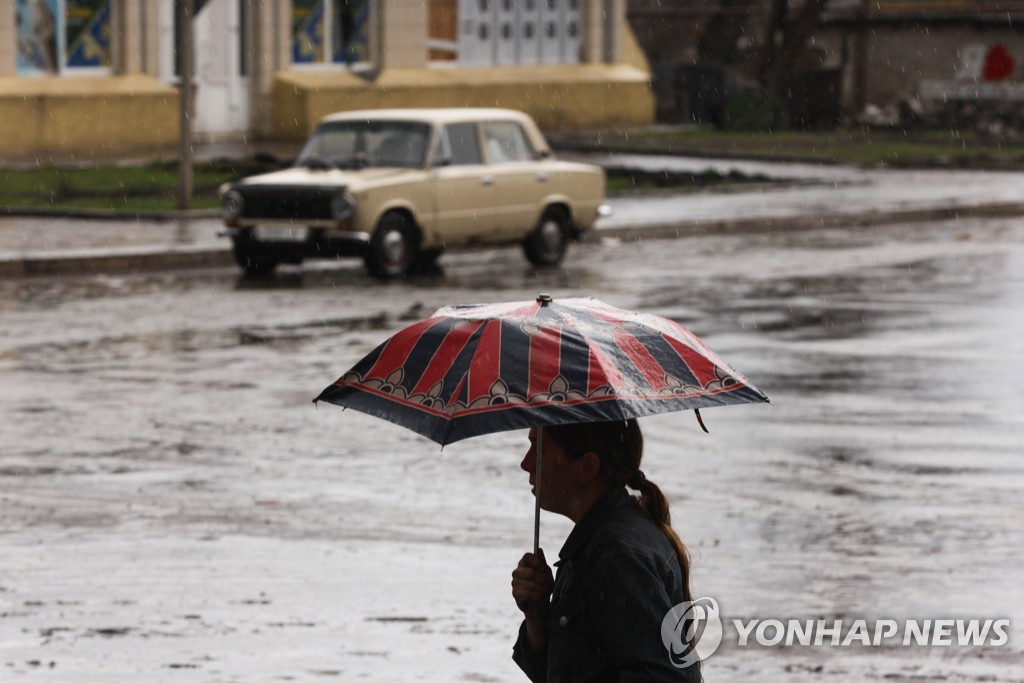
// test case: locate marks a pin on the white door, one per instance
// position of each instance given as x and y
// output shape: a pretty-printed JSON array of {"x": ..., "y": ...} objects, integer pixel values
[
  {"x": 551, "y": 30},
  {"x": 573, "y": 31},
  {"x": 529, "y": 31},
  {"x": 476, "y": 32},
  {"x": 220, "y": 29},
  {"x": 561, "y": 33},
  {"x": 506, "y": 33},
  {"x": 221, "y": 69}
]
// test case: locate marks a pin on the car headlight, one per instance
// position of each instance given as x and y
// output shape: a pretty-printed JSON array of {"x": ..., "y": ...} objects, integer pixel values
[
  {"x": 231, "y": 205},
  {"x": 343, "y": 206}
]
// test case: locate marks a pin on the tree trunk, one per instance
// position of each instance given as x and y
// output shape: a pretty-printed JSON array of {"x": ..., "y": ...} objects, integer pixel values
[
  {"x": 780, "y": 56},
  {"x": 720, "y": 35}
]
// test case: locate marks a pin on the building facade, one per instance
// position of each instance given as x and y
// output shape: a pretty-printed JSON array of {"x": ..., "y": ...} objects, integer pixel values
[
  {"x": 88, "y": 78},
  {"x": 940, "y": 54},
  {"x": 948, "y": 55}
]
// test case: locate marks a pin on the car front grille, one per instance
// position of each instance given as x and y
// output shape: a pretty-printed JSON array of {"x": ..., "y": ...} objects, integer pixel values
[{"x": 286, "y": 203}]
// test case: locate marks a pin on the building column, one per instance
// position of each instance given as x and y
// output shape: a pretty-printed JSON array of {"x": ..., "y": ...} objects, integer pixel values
[
  {"x": 135, "y": 43},
  {"x": 592, "y": 20},
  {"x": 8, "y": 39},
  {"x": 603, "y": 31},
  {"x": 150, "y": 32},
  {"x": 401, "y": 35},
  {"x": 271, "y": 50},
  {"x": 127, "y": 37},
  {"x": 615, "y": 27}
]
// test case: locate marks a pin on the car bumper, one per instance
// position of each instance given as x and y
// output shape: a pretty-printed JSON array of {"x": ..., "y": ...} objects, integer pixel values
[{"x": 318, "y": 243}]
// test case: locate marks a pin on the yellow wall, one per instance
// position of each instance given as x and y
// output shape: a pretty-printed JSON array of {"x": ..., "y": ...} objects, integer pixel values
[
  {"x": 85, "y": 117},
  {"x": 560, "y": 98},
  {"x": 106, "y": 117}
]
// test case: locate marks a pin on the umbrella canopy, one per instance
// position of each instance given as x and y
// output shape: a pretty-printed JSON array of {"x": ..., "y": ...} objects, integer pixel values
[{"x": 484, "y": 368}]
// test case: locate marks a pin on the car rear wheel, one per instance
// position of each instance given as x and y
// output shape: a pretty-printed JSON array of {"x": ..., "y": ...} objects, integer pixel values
[
  {"x": 394, "y": 246},
  {"x": 547, "y": 244}
]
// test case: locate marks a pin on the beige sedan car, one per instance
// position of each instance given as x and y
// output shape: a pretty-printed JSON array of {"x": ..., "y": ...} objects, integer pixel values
[{"x": 397, "y": 187}]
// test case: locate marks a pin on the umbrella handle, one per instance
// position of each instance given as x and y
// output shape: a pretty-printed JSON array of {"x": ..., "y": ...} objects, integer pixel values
[{"x": 536, "y": 492}]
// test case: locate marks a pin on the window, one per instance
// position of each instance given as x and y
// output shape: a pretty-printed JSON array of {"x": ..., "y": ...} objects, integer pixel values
[
  {"x": 459, "y": 144},
  {"x": 330, "y": 31},
  {"x": 506, "y": 143},
  {"x": 58, "y": 36},
  {"x": 358, "y": 144}
]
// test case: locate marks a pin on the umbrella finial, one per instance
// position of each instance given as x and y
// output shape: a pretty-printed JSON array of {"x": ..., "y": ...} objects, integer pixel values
[{"x": 544, "y": 298}]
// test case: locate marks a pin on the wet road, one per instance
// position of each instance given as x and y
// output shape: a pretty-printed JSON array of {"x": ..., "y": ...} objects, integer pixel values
[
  {"x": 816, "y": 190},
  {"x": 173, "y": 508}
]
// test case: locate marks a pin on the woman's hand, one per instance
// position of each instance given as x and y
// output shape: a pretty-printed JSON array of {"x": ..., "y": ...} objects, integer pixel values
[{"x": 532, "y": 582}]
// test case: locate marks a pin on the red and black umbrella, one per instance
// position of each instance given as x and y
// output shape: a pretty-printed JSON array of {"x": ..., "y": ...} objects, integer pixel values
[
  {"x": 484, "y": 368},
  {"x": 478, "y": 369}
]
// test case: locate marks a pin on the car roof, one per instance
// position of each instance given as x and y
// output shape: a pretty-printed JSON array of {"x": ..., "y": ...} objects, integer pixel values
[{"x": 435, "y": 116}]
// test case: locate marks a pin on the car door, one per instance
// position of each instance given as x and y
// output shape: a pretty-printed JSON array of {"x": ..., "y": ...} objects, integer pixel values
[
  {"x": 518, "y": 176},
  {"x": 465, "y": 197}
]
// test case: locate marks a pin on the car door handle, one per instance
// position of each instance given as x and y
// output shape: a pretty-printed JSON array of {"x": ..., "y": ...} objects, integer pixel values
[
  {"x": 542, "y": 177},
  {"x": 487, "y": 180}
]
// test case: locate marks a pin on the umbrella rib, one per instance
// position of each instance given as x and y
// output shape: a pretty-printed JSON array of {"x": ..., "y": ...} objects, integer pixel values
[{"x": 449, "y": 416}]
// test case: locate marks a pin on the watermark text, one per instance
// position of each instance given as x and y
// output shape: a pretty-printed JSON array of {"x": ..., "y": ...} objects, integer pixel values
[
  {"x": 840, "y": 633},
  {"x": 693, "y": 631}
]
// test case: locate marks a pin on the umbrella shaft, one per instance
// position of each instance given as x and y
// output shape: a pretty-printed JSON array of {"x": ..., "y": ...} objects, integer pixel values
[{"x": 536, "y": 491}]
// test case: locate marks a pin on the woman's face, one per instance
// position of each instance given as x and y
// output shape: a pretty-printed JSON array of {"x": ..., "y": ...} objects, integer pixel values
[{"x": 559, "y": 474}]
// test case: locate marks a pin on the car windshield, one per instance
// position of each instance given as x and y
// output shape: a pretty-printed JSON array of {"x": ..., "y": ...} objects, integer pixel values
[{"x": 361, "y": 144}]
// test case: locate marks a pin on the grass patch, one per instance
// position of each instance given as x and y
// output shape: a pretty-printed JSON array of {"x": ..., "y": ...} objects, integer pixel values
[
  {"x": 107, "y": 202},
  {"x": 152, "y": 187},
  {"x": 858, "y": 146},
  {"x": 625, "y": 181}
]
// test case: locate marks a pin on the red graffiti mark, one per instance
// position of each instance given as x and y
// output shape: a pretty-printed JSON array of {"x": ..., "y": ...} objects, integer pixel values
[{"x": 998, "y": 64}]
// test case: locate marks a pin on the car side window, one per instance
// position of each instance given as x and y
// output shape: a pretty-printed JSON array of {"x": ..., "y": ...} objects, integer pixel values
[
  {"x": 460, "y": 145},
  {"x": 506, "y": 143}
]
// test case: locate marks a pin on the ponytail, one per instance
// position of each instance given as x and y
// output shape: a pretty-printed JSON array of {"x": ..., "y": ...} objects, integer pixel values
[{"x": 653, "y": 502}]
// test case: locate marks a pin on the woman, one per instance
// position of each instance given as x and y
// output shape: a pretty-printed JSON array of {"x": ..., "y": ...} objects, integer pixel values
[{"x": 620, "y": 571}]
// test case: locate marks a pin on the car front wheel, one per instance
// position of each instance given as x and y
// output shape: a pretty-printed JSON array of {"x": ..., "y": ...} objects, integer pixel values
[
  {"x": 394, "y": 246},
  {"x": 253, "y": 261},
  {"x": 547, "y": 244}
]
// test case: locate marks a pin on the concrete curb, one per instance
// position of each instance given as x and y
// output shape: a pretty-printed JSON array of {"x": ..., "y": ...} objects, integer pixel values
[
  {"x": 170, "y": 258},
  {"x": 808, "y": 222},
  {"x": 109, "y": 214},
  {"x": 115, "y": 261}
]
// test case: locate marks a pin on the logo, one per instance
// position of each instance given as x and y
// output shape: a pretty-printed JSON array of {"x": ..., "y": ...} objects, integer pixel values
[{"x": 691, "y": 631}]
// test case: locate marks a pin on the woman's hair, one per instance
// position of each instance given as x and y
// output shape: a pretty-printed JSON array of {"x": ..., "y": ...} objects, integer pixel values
[{"x": 620, "y": 447}]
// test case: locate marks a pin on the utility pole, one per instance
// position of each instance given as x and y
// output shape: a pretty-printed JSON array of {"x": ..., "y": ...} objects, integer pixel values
[
  {"x": 186, "y": 57},
  {"x": 860, "y": 59}
]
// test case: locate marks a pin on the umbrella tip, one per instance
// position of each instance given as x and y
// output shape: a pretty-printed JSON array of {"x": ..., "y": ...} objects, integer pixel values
[
  {"x": 700, "y": 421},
  {"x": 544, "y": 298}
]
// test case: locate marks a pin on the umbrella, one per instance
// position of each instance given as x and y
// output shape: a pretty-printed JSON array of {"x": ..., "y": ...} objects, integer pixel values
[{"x": 477, "y": 369}]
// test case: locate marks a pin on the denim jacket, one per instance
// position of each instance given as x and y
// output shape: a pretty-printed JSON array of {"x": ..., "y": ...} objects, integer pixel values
[{"x": 618, "y": 576}]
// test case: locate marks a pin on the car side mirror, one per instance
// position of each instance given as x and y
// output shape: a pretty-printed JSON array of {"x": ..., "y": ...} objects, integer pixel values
[
  {"x": 544, "y": 154},
  {"x": 442, "y": 161}
]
